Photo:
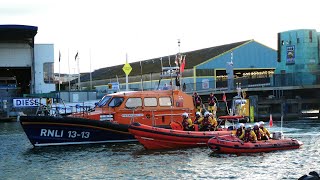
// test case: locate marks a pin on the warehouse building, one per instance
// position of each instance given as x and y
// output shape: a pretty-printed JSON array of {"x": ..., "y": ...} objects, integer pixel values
[
  {"x": 247, "y": 62},
  {"x": 25, "y": 67}
]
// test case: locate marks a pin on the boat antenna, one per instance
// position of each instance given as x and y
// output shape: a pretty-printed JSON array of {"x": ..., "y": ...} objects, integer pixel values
[
  {"x": 141, "y": 76},
  {"x": 179, "y": 46}
]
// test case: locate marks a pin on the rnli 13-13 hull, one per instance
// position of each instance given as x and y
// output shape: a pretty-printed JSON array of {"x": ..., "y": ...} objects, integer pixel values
[
  {"x": 51, "y": 130},
  {"x": 230, "y": 144}
]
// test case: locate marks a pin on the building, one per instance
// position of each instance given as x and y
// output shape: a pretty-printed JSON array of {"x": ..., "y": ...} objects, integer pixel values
[
  {"x": 298, "y": 57},
  {"x": 205, "y": 69},
  {"x": 26, "y": 68}
]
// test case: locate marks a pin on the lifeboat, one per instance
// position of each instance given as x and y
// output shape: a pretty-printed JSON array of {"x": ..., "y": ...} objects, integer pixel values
[
  {"x": 153, "y": 138},
  {"x": 230, "y": 144},
  {"x": 110, "y": 119}
]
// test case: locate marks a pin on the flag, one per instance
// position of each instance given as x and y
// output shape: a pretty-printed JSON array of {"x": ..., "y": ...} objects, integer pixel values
[
  {"x": 75, "y": 58},
  {"x": 161, "y": 62},
  {"x": 176, "y": 60},
  {"x": 59, "y": 56},
  {"x": 224, "y": 98},
  {"x": 270, "y": 121},
  {"x": 183, "y": 64}
]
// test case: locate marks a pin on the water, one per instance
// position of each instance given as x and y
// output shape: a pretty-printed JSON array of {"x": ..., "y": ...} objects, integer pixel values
[{"x": 19, "y": 160}]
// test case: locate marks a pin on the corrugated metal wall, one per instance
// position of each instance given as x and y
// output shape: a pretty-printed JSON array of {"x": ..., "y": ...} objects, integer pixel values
[{"x": 252, "y": 55}]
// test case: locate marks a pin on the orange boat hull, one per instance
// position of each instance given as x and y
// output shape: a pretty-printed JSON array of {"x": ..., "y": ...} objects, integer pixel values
[
  {"x": 161, "y": 138},
  {"x": 230, "y": 144}
]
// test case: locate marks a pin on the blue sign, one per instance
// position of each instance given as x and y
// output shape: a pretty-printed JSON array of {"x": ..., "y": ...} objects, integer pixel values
[{"x": 291, "y": 53}]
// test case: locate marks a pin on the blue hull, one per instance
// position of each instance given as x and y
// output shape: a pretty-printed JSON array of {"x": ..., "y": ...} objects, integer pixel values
[{"x": 49, "y": 130}]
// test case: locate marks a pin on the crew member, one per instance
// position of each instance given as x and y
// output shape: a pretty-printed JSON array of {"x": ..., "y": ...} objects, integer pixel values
[
  {"x": 197, "y": 101},
  {"x": 214, "y": 122},
  {"x": 259, "y": 133},
  {"x": 198, "y": 118},
  {"x": 205, "y": 123},
  {"x": 249, "y": 135},
  {"x": 266, "y": 134},
  {"x": 197, "y": 121},
  {"x": 187, "y": 122},
  {"x": 240, "y": 130},
  {"x": 212, "y": 107}
]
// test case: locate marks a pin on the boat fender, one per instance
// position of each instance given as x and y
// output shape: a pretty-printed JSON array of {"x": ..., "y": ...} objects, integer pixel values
[{"x": 277, "y": 135}]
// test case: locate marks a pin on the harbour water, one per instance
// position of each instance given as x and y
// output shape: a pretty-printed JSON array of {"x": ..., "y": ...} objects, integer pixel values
[{"x": 19, "y": 160}]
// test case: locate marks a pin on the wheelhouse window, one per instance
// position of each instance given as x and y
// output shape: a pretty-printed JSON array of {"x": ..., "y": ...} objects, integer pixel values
[
  {"x": 103, "y": 101},
  {"x": 150, "y": 101},
  {"x": 115, "y": 102},
  {"x": 134, "y": 102},
  {"x": 165, "y": 101},
  {"x": 48, "y": 73}
]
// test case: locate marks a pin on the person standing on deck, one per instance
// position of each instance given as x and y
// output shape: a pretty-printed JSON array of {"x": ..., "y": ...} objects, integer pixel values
[
  {"x": 212, "y": 107},
  {"x": 197, "y": 101}
]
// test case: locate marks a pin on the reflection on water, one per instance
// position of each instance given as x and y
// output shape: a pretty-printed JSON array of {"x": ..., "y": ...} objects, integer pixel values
[{"x": 19, "y": 160}]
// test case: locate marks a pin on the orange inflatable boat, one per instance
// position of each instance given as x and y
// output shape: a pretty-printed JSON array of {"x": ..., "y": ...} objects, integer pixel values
[
  {"x": 161, "y": 138},
  {"x": 230, "y": 144}
]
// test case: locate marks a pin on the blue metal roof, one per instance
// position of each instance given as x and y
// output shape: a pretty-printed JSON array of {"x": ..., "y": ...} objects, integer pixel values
[{"x": 14, "y": 32}]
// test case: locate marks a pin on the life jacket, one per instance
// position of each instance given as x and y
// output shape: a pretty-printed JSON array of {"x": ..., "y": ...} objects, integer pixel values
[
  {"x": 205, "y": 121},
  {"x": 265, "y": 131},
  {"x": 197, "y": 100},
  {"x": 196, "y": 120},
  {"x": 211, "y": 101},
  {"x": 239, "y": 132},
  {"x": 258, "y": 134},
  {"x": 185, "y": 124},
  {"x": 247, "y": 136}
]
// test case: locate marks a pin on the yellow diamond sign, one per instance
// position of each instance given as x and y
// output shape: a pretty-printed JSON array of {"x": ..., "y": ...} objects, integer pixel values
[{"x": 127, "y": 68}]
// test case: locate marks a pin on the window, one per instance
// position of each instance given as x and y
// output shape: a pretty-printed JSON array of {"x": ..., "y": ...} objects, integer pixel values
[
  {"x": 104, "y": 101},
  {"x": 150, "y": 101},
  {"x": 205, "y": 72},
  {"x": 310, "y": 36},
  {"x": 134, "y": 103},
  {"x": 48, "y": 73},
  {"x": 165, "y": 101},
  {"x": 115, "y": 102}
]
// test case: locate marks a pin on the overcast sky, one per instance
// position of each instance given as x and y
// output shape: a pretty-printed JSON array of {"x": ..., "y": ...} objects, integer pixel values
[{"x": 148, "y": 29}]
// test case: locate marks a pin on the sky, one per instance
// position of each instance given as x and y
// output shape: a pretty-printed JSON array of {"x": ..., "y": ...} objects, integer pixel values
[{"x": 104, "y": 31}]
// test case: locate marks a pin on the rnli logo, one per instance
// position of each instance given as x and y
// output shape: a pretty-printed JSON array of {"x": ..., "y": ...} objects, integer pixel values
[{"x": 148, "y": 116}]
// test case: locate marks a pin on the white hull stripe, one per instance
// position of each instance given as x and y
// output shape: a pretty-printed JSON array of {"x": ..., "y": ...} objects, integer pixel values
[{"x": 85, "y": 142}]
